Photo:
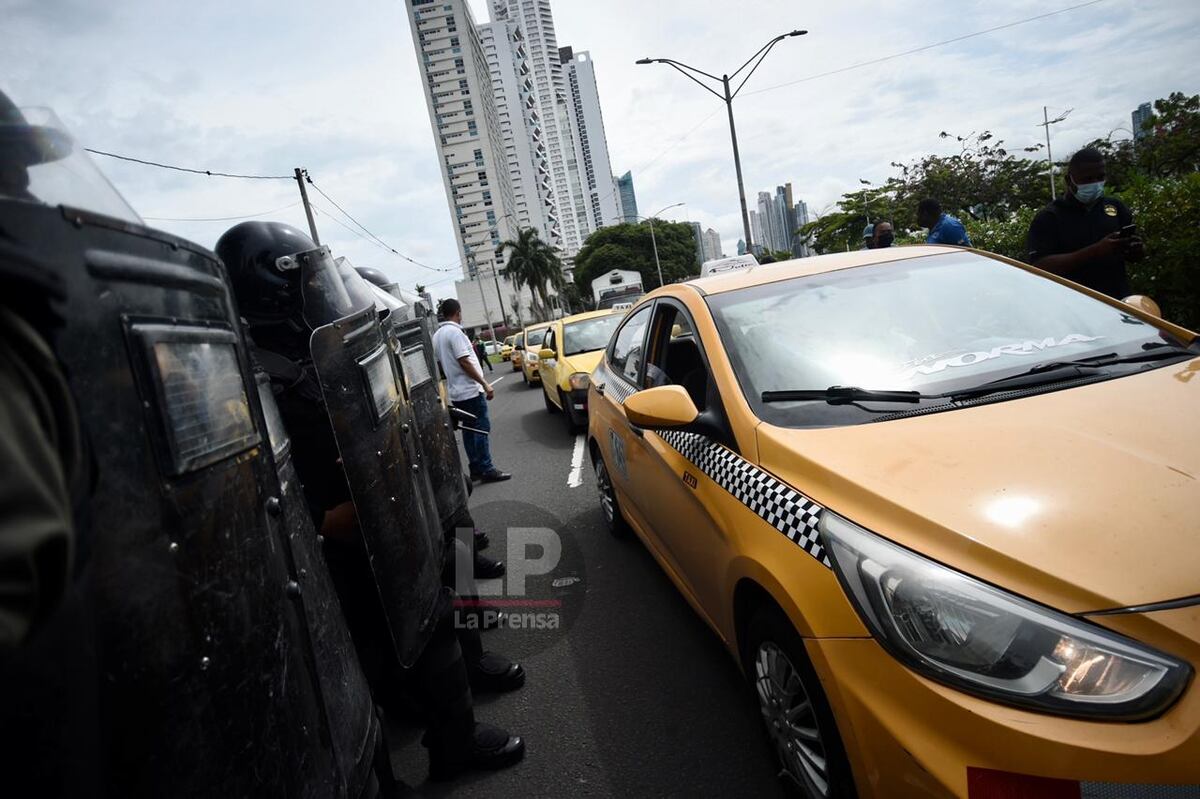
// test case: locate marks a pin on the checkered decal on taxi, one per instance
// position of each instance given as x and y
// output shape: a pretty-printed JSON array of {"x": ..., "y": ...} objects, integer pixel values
[{"x": 775, "y": 502}]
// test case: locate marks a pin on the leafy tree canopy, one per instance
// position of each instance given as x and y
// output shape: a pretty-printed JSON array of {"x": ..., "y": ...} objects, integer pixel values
[{"x": 628, "y": 246}]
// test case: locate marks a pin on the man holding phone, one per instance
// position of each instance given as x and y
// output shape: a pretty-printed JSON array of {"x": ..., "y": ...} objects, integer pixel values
[{"x": 1085, "y": 236}]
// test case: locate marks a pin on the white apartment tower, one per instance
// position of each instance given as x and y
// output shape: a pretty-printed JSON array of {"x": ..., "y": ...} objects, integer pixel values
[
  {"x": 601, "y": 203},
  {"x": 550, "y": 88},
  {"x": 521, "y": 128},
  {"x": 467, "y": 130}
]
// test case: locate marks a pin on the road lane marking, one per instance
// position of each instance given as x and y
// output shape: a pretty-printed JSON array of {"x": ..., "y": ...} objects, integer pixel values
[
  {"x": 498, "y": 379},
  {"x": 575, "y": 477}
]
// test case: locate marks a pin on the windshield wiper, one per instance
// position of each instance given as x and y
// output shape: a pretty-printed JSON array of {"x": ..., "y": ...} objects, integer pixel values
[
  {"x": 845, "y": 395},
  {"x": 1057, "y": 371}
]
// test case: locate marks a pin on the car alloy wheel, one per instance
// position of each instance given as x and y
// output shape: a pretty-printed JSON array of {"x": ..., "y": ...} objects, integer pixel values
[
  {"x": 791, "y": 719},
  {"x": 613, "y": 520}
]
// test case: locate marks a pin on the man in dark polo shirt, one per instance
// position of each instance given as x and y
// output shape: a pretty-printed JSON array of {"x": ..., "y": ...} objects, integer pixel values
[{"x": 1079, "y": 236}]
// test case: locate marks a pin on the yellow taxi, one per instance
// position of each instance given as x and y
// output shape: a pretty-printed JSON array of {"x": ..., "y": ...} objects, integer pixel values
[
  {"x": 942, "y": 508},
  {"x": 518, "y": 350},
  {"x": 506, "y": 349},
  {"x": 570, "y": 351},
  {"x": 530, "y": 343}
]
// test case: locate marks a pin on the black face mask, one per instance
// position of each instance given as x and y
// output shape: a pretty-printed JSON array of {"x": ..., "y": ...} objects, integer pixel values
[{"x": 885, "y": 240}]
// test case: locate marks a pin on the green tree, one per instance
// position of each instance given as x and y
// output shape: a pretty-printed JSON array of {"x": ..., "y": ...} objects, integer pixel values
[
  {"x": 1171, "y": 146},
  {"x": 628, "y": 246},
  {"x": 533, "y": 263}
]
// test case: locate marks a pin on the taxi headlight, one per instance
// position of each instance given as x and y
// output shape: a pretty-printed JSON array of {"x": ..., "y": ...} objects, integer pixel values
[
  {"x": 579, "y": 381},
  {"x": 977, "y": 638}
]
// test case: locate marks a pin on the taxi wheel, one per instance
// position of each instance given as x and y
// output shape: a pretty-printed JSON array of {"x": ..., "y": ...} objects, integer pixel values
[
  {"x": 613, "y": 520},
  {"x": 550, "y": 406},
  {"x": 797, "y": 716}
]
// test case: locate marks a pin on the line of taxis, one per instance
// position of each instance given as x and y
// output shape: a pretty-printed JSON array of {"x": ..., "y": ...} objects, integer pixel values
[{"x": 942, "y": 508}]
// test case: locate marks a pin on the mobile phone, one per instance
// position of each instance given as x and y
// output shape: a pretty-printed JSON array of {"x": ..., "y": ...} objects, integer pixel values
[{"x": 1128, "y": 231}]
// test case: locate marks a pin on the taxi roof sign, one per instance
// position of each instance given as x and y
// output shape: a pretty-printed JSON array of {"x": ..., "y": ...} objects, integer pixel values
[{"x": 719, "y": 265}]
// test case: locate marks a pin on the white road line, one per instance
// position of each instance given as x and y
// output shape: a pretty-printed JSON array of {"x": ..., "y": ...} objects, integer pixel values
[
  {"x": 497, "y": 380},
  {"x": 575, "y": 477}
]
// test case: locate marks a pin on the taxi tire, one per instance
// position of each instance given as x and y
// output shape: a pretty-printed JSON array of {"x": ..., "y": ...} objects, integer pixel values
[
  {"x": 617, "y": 526},
  {"x": 769, "y": 624},
  {"x": 549, "y": 403},
  {"x": 568, "y": 414}
]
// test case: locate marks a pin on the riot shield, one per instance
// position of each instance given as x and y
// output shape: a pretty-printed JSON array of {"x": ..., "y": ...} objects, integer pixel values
[
  {"x": 347, "y": 697},
  {"x": 204, "y": 626},
  {"x": 372, "y": 425},
  {"x": 438, "y": 444}
]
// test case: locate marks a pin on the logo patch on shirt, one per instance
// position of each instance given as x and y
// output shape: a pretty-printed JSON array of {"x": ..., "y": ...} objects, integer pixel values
[{"x": 1111, "y": 210}]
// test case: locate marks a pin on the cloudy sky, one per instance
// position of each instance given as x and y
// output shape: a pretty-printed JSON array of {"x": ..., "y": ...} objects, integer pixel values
[{"x": 262, "y": 86}]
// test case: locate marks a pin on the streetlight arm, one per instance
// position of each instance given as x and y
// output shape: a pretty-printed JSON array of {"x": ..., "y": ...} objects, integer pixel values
[
  {"x": 692, "y": 78},
  {"x": 766, "y": 46},
  {"x": 677, "y": 65}
]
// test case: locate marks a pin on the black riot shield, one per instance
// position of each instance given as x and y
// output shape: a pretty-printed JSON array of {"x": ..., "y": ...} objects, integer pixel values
[
  {"x": 373, "y": 426},
  {"x": 211, "y": 617},
  {"x": 438, "y": 443}
]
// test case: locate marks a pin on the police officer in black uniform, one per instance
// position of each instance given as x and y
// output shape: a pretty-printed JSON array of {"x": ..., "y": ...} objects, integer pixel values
[
  {"x": 157, "y": 637},
  {"x": 271, "y": 300},
  {"x": 1086, "y": 236}
]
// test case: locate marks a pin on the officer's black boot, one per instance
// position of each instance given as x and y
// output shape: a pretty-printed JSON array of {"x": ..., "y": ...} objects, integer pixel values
[
  {"x": 489, "y": 672},
  {"x": 456, "y": 742}
]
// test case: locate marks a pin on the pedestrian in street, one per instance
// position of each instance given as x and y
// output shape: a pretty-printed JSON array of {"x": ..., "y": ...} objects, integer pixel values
[
  {"x": 468, "y": 389},
  {"x": 1086, "y": 236},
  {"x": 883, "y": 235},
  {"x": 943, "y": 228},
  {"x": 481, "y": 353}
]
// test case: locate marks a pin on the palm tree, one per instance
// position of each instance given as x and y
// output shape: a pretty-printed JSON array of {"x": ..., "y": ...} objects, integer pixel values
[{"x": 533, "y": 263}]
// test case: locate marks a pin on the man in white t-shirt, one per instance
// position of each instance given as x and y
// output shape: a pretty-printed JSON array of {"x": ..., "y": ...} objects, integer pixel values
[{"x": 468, "y": 389}]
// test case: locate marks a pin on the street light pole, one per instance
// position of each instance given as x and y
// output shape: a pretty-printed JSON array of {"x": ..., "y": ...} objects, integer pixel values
[
  {"x": 737, "y": 165},
  {"x": 653, "y": 242},
  {"x": 1046, "y": 123},
  {"x": 727, "y": 98}
]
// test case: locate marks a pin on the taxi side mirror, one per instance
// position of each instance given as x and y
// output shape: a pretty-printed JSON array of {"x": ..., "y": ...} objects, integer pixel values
[
  {"x": 1144, "y": 304},
  {"x": 661, "y": 408},
  {"x": 546, "y": 354}
]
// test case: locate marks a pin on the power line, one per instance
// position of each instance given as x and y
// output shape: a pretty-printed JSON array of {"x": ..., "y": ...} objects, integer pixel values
[
  {"x": 207, "y": 172},
  {"x": 217, "y": 218},
  {"x": 923, "y": 48},
  {"x": 380, "y": 242},
  {"x": 367, "y": 239}
]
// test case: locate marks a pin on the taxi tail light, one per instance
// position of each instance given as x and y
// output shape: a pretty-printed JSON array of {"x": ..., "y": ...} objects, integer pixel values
[{"x": 977, "y": 638}]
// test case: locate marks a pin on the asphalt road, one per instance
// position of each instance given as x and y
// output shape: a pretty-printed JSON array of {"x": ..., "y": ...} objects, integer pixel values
[{"x": 633, "y": 696}]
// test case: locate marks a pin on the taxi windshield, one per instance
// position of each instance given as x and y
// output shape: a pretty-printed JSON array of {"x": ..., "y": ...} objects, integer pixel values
[
  {"x": 589, "y": 334},
  {"x": 534, "y": 338},
  {"x": 934, "y": 325}
]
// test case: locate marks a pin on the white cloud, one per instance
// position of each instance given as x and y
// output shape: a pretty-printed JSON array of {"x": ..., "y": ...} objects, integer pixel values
[{"x": 269, "y": 85}]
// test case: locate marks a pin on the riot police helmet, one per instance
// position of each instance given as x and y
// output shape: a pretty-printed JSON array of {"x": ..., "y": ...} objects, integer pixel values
[
  {"x": 254, "y": 253},
  {"x": 376, "y": 276}
]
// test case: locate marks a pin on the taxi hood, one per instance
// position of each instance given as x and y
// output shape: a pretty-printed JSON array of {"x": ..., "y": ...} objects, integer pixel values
[{"x": 1084, "y": 499}]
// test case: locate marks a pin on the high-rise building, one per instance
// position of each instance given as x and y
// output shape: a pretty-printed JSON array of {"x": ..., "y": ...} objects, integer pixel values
[
  {"x": 601, "y": 203},
  {"x": 802, "y": 249},
  {"x": 1139, "y": 116},
  {"x": 785, "y": 213},
  {"x": 467, "y": 130},
  {"x": 698, "y": 239},
  {"x": 741, "y": 247},
  {"x": 712, "y": 245},
  {"x": 756, "y": 231},
  {"x": 624, "y": 187},
  {"x": 768, "y": 220},
  {"x": 521, "y": 128},
  {"x": 550, "y": 92}
]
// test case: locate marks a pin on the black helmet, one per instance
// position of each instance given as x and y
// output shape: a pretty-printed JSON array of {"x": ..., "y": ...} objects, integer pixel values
[
  {"x": 22, "y": 144},
  {"x": 376, "y": 276},
  {"x": 250, "y": 251}
]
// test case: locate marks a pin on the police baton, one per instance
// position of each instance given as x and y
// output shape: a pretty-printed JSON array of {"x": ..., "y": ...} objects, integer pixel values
[{"x": 458, "y": 416}]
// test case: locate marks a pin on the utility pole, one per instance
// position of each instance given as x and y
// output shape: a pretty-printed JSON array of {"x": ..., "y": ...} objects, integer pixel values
[
  {"x": 312, "y": 226},
  {"x": 737, "y": 165}
]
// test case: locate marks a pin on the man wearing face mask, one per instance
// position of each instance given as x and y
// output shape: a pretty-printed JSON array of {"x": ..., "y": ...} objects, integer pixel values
[
  {"x": 1085, "y": 236},
  {"x": 882, "y": 236}
]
